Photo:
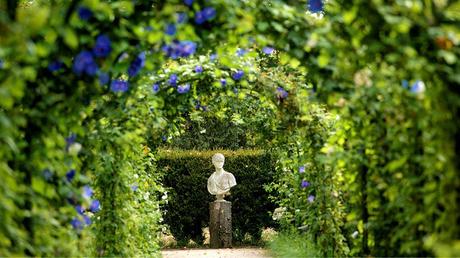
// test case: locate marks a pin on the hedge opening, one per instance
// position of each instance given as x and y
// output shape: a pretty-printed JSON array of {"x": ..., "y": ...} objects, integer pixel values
[{"x": 185, "y": 174}]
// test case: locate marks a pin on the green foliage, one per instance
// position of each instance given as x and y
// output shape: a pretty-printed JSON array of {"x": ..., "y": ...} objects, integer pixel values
[
  {"x": 292, "y": 244},
  {"x": 185, "y": 178},
  {"x": 388, "y": 167}
]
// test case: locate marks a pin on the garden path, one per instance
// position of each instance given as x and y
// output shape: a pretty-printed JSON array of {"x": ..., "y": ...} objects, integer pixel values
[{"x": 216, "y": 253}]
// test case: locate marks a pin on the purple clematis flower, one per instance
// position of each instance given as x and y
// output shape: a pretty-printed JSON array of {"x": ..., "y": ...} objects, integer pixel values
[
  {"x": 315, "y": 6},
  {"x": 155, "y": 87},
  {"x": 238, "y": 75},
  {"x": 76, "y": 223},
  {"x": 302, "y": 169},
  {"x": 304, "y": 184},
  {"x": 84, "y": 13},
  {"x": 137, "y": 65},
  {"x": 182, "y": 89},
  {"x": 119, "y": 86},
  {"x": 281, "y": 93},
  {"x": 170, "y": 29},
  {"x": 223, "y": 82},
  {"x": 95, "y": 206},
  {"x": 268, "y": 50},
  {"x": 198, "y": 69},
  {"x": 70, "y": 175},
  {"x": 103, "y": 46},
  {"x": 173, "y": 80}
]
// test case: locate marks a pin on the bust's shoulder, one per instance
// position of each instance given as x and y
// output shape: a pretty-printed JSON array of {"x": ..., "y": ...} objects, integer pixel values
[{"x": 228, "y": 174}]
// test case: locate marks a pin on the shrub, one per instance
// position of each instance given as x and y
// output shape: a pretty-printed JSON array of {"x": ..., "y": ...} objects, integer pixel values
[{"x": 187, "y": 209}]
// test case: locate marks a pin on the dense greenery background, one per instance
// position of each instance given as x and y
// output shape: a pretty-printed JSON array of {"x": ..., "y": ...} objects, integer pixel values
[{"x": 358, "y": 100}]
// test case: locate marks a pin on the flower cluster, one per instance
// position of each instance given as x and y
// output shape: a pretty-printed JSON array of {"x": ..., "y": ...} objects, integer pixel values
[
  {"x": 83, "y": 218},
  {"x": 84, "y": 62},
  {"x": 181, "y": 89},
  {"x": 208, "y": 13},
  {"x": 179, "y": 49}
]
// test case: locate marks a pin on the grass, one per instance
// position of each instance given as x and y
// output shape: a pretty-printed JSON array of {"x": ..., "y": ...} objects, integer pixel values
[{"x": 292, "y": 245}]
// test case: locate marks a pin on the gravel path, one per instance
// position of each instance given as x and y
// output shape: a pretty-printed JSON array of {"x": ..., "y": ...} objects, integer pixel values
[{"x": 216, "y": 253}]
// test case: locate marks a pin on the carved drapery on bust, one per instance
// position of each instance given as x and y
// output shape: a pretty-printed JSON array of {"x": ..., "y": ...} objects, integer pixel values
[{"x": 220, "y": 182}]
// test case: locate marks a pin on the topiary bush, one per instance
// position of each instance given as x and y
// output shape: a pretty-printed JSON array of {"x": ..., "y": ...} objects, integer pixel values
[{"x": 187, "y": 209}]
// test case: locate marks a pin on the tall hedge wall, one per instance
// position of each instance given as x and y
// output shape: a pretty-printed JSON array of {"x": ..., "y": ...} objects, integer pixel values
[{"x": 185, "y": 176}]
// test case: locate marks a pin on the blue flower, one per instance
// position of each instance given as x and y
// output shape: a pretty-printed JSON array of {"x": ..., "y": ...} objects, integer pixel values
[
  {"x": 198, "y": 69},
  {"x": 103, "y": 46},
  {"x": 95, "y": 206},
  {"x": 199, "y": 18},
  {"x": 311, "y": 198},
  {"x": 180, "y": 49},
  {"x": 76, "y": 223},
  {"x": 238, "y": 75},
  {"x": 173, "y": 80},
  {"x": 302, "y": 169},
  {"x": 87, "y": 220},
  {"x": 209, "y": 13},
  {"x": 188, "y": 2},
  {"x": 170, "y": 29},
  {"x": 137, "y": 65},
  {"x": 70, "y": 140},
  {"x": 281, "y": 93},
  {"x": 213, "y": 57},
  {"x": 55, "y": 66},
  {"x": 241, "y": 52},
  {"x": 163, "y": 138},
  {"x": 304, "y": 183},
  {"x": 181, "y": 89},
  {"x": 134, "y": 188},
  {"x": 70, "y": 175},
  {"x": 315, "y": 6},
  {"x": 223, "y": 82},
  {"x": 92, "y": 69},
  {"x": 87, "y": 192},
  {"x": 181, "y": 17},
  {"x": 84, "y": 13},
  {"x": 156, "y": 87},
  {"x": 104, "y": 78},
  {"x": 2, "y": 63},
  {"x": 418, "y": 87},
  {"x": 119, "y": 86},
  {"x": 80, "y": 210},
  {"x": 84, "y": 63},
  {"x": 268, "y": 50}
]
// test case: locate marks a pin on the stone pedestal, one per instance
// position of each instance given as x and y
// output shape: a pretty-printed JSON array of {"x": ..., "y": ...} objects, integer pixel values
[{"x": 220, "y": 226}]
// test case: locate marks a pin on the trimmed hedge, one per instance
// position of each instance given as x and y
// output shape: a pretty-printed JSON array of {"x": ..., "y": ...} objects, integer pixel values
[{"x": 185, "y": 177}]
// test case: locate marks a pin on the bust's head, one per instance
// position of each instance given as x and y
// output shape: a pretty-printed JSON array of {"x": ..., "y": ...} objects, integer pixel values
[{"x": 218, "y": 160}]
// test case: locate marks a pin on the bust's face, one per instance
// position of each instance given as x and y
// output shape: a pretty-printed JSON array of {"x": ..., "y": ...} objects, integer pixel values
[
  {"x": 218, "y": 163},
  {"x": 218, "y": 160}
]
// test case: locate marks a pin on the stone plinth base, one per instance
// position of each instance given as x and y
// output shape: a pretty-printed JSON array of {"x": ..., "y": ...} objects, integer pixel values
[{"x": 220, "y": 226}]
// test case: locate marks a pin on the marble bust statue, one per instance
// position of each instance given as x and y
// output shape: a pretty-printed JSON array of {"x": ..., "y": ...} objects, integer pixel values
[{"x": 220, "y": 182}]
